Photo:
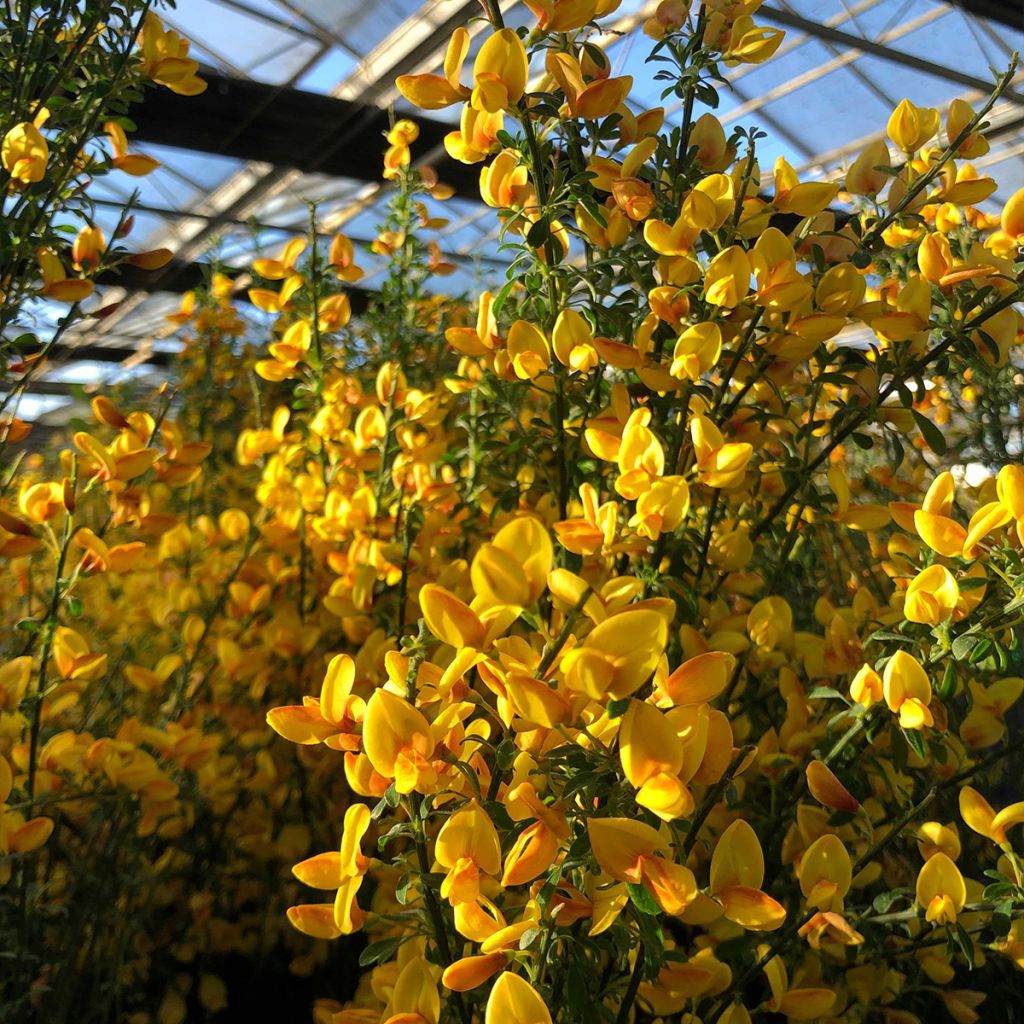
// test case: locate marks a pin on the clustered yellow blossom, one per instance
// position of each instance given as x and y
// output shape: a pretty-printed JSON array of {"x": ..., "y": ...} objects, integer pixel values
[{"x": 629, "y": 643}]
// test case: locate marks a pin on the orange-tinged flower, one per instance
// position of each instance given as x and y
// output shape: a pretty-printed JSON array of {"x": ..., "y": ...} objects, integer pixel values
[
  {"x": 566, "y": 15},
  {"x": 432, "y": 92},
  {"x": 135, "y": 164},
  {"x": 504, "y": 183},
  {"x": 468, "y": 847},
  {"x": 165, "y": 58},
  {"x": 794, "y": 1003},
  {"x": 862, "y": 178},
  {"x": 830, "y": 926},
  {"x": 700, "y": 679},
  {"x": 342, "y": 870},
  {"x": 737, "y": 872},
  {"x": 472, "y": 971},
  {"x": 633, "y": 196},
  {"x": 99, "y": 557},
  {"x": 283, "y": 266},
  {"x": 20, "y": 836},
  {"x": 87, "y": 249},
  {"x": 73, "y": 657},
  {"x": 628, "y": 850},
  {"x": 536, "y": 848},
  {"x": 587, "y": 101},
  {"x": 398, "y": 741},
  {"x": 827, "y": 789},
  {"x": 651, "y": 753},
  {"x": 342, "y": 258},
  {"x": 477, "y": 135},
  {"x": 56, "y": 283},
  {"x": 941, "y": 890}
]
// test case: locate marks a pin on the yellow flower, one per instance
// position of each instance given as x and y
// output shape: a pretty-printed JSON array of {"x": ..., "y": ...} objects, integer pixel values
[
  {"x": 979, "y": 815},
  {"x": 629, "y": 850},
  {"x": 941, "y": 890},
  {"x": 910, "y": 126},
  {"x": 165, "y": 58},
  {"x": 499, "y": 72},
  {"x": 825, "y": 873},
  {"x": 134, "y": 164},
  {"x": 932, "y": 596},
  {"x": 513, "y": 1000},
  {"x": 24, "y": 153},
  {"x": 719, "y": 464},
  {"x": 737, "y": 872},
  {"x": 907, "y": 691},
  {"x": 468, "y": 847},
  {"x": 652, "y": 758},
  {"x": 794, "y": 1003},
  {"x": 618, "y": 656},
  {"x": 398, "y": 741}
]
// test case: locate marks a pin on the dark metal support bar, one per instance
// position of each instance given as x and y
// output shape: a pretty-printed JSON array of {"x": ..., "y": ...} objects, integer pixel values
[
  {"x": 1006, "y": 12},
  {"x": 855, "y": 42},
  {"x": 307, "y": 131}
]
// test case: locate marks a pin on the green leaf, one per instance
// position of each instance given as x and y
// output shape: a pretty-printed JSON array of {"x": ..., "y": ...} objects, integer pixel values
[
  {"x": 963, "y": 940},
  {"x": 885, "y": 901},
  {"x": 617, "y": 708},
  {"x": 981, "y": 651},
  {"x": 964, "y": 644},
  {"x": 826, "y": 693},
  {"x": 916, "y": 742},
  {"x": 380, "y": 952},
  {"x": 947, "y": 685},
  {"x": 933, "y": 437},
  {"x": 539, "y": 233},
  {"x": 642, "y": 899}
]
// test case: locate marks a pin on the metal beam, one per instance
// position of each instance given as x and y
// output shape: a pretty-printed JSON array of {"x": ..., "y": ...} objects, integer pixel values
[
  {"x": 304, "y": 131},
  {"x": 109, "y": 354},
  {"x": 54, "y": 388},
  {"x": 1006, "y": 12},
  {"x": 855, "y": 42}
]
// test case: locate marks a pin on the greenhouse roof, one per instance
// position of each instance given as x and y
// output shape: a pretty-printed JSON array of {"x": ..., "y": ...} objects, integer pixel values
[{"x": 298, "y": 96}]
